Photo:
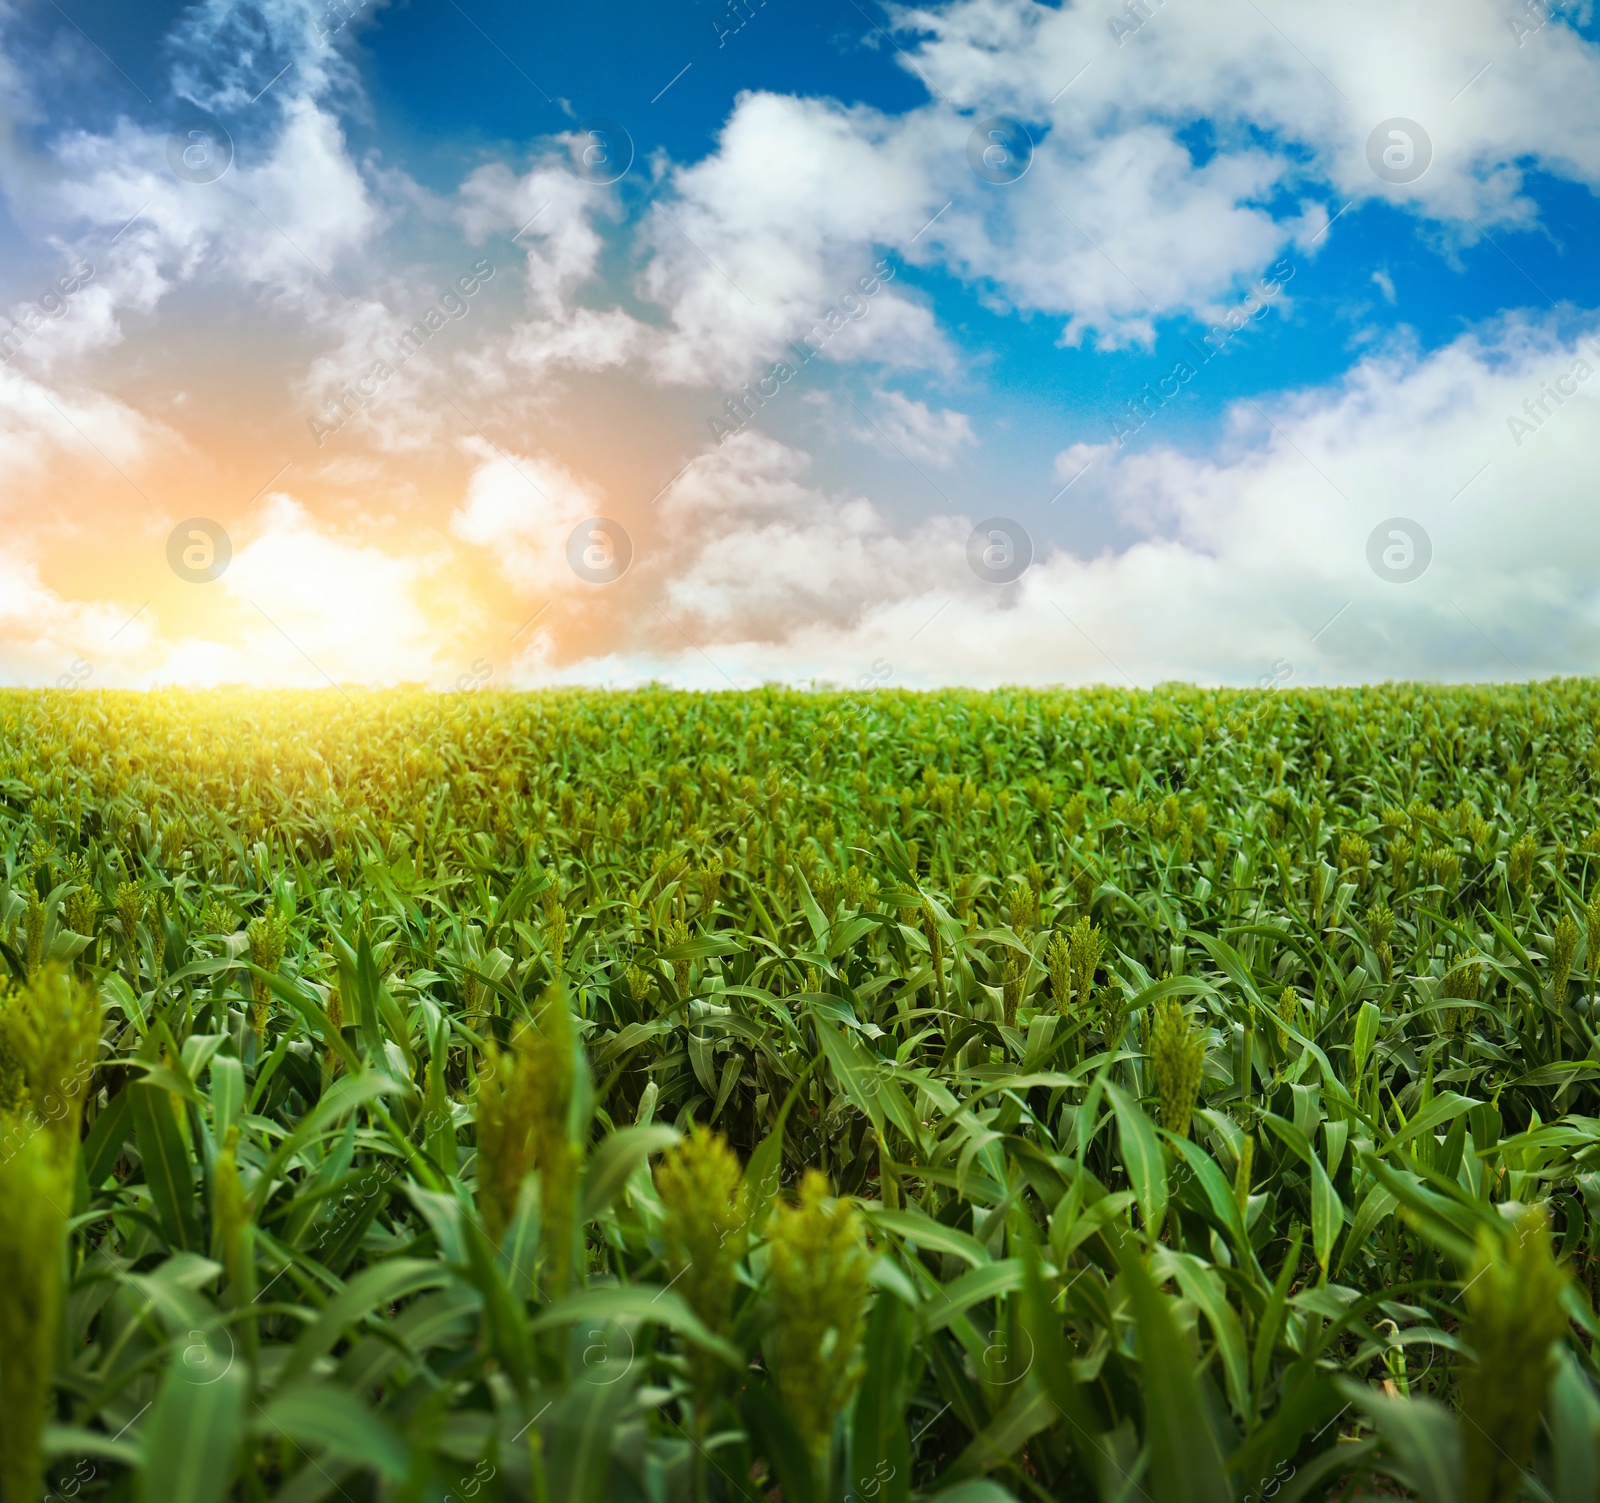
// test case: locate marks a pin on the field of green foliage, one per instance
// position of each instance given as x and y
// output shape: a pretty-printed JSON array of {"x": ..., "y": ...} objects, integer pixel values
[{"x": 1172, "y": 1097}]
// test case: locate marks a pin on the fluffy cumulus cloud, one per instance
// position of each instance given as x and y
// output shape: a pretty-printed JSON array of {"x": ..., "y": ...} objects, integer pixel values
[
  {"x": 1309, "y": 86},
  {"x": 521, "y": 510},
  {"x": 759, "y": 240},
  {"x": 1178, "y": 151},
  {"x": 285, "y": 207},
  {"x": 1252, "y": 562},
  {"x": 917, "y": 432},
  {"x": 40, "y": 425},
  {"x": 756, "y": 553},
  {"x": 1248, "y": 564},
  {"x": 275, "y": 212}
]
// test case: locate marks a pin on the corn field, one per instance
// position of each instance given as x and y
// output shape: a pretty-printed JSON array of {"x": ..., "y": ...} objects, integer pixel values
[{"x": 1144, "y": 1096}]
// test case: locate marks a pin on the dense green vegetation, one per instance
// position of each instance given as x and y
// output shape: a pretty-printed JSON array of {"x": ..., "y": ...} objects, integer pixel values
[{"x": 1179, "y": 1095}]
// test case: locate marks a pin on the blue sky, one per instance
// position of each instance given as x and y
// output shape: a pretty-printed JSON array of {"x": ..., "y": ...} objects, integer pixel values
[{"x": 1200, "y": 163}]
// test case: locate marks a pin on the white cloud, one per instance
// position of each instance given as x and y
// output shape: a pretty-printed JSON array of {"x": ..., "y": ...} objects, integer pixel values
[
  {"x": 309, "y": 606},
  {"x": 1241, "y": 562},
  {"x": 1071, "y": 463},
  {"x": 520, "y": 510},
  {"x": 1321, "y": 79},
  {"x": 778, "y": 225},
  {"x": 549, "y": 212},
  {"x": 584, "y": 339},
  {"x": 42, "y": 425},
  {"x": 1124, "y": 216},
  {"x": 228, "y": 55},
  {"x": 388, "y": 378},
  {"x": 1249, "y": 558},
  {"x": 901, "y": 425},
  {"x": 63, "y": 643},
  {"x": 283, "y": 218},
  {"x": 754, "y": 551},
  {"x": 304, "y": 606}
]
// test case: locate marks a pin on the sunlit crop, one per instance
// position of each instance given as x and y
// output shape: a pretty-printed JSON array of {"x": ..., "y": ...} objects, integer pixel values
[{"x": 1180, "y": 1095}]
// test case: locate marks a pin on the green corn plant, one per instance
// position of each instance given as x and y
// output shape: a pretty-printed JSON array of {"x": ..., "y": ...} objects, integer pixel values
[
  {"x": 677, "y": 933},
  {"x": 555, "y": 928},
  {"x": 49, "y": 1043},
  {"x": 36, "y": 1193},
  {"x": 233, "y": 1233},
  {"x": 1463, "y": 982},
  {"x": 704, "y": 1230},
  {"x": 1355, "y": 852},
  {"x": 817, "y": 1267},
  {"x": 1242, "y": 1172},
  {"x": 1513, "y": 1297},
  {"x": 267, "y": 935},
  {"x": 509, "y": 1098},
  {"x": 1013, "y": 981},
  {"x": 1289, "y": 1015},
  {"x": 1058, "y": 962},
  {"x": 49, "y": 1037},
  {"x": 1380, "y": 928},
  {"x": 333, "y": 1011},
  {"x": 1023, "y": 907},
  {"x": 1520, "y": 859},
  {"x": 82, "y": 907},
  {"x": 215, "y": 917},
  {"x": 637, "y": 982},
  {"x": 546, "y": 1046},
  {"x": 708, "y": 879},
  {"x": 1564, "y": 948},
  {"x": 707, "y": 1213},
  {"x": 1177, "y": 1057},
  {"x": 1400, "y": 852},
  {"x": 13, "y": 1054},
  {"x": 33, "y": 924},
  {"x": 131, "y": 904},
  {"x": 935, "y": 939},
  {"x": 1088, "y": 946}
]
